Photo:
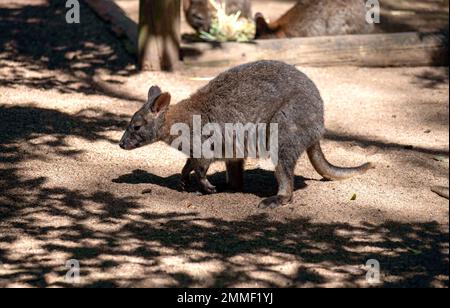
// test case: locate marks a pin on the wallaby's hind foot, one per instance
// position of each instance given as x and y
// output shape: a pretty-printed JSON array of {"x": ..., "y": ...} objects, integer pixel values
[
  {"x": 274, "y": 202},
  {"x": 329, "y": 171},
  {"x": 284, "y": 172}
]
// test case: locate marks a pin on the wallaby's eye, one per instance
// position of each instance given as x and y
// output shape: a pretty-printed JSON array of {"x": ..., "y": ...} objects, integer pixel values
[
  {"x": 137, "y": 127},
  {"x": 197, "y": 17}
]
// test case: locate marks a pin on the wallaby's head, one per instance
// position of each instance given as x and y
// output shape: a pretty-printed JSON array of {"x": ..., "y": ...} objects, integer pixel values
[
  {"x": 263, "y": 28},
  {"x": 198, "y": 14},
  {"x": 146, "y": 125}
]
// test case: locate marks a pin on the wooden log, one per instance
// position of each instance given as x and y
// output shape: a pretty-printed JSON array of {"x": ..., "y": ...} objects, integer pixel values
[
  {"x": 373, "y": 50},
  {"x": 159, "y": 34}
]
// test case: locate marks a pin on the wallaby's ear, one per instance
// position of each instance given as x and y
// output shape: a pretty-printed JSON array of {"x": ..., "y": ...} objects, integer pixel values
[
  {"x": 261, "y": 25},
  {"x": 157, "y": 101},
  {"x": 161, "y": 103},
  {"x": 153, "y": 93}
]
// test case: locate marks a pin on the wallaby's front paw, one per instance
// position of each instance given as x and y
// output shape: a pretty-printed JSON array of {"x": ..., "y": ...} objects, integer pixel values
[{"x": 273, "y": 202}]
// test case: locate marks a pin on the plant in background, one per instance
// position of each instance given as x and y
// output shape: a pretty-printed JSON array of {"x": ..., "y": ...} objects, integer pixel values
[{"x": 229, "y": 27}]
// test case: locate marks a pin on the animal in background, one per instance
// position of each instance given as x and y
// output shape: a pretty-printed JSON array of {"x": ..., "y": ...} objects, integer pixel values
[
  {"x": 259, "y": 92},
  {"x": 317, "y": 18},
  {"x": 200, "y": 12}
]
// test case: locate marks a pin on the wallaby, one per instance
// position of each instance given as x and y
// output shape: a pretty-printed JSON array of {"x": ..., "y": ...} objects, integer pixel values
[
  {"x": 258, "y": 92},
  {"x": 317, "y": 18},
  {"x": 200, "y": 12}
]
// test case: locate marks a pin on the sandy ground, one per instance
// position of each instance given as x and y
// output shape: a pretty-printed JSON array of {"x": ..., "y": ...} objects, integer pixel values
[{"x": 68, "y": 192}]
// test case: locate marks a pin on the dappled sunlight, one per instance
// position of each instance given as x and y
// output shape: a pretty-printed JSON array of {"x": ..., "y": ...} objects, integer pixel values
[
  {"x": 82, "y": 52},
  {"x": 256, "y": 251},
  {"x": 67, "y": 190}
]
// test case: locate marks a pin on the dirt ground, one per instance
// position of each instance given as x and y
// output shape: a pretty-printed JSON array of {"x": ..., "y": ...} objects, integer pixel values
[{"x": 67, "y": 191}]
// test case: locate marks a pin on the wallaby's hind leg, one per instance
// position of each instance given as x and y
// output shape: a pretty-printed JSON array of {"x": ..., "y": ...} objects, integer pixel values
[
  {"x": 201, "y": 169},
  {"x": 235, "y": 174},
  {"x": 284, "y": 172},
  {"x": 295, "y": 135}
]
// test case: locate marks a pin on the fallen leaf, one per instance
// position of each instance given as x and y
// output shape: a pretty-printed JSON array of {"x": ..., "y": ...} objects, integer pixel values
[
  {"x": 440, "y": 158},
  {"x": 353, "y": 197}
]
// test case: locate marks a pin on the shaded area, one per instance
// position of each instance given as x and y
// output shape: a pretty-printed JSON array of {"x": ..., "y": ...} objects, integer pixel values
[
  {"x": 411, "y": 255},
  {"x": 432, "y": 79},
  {"x": 75, "y": 52},
  {"x": 258, "y": 182},
  {"x": 29, "y": 133},
  {"x": 22, "y": 129},
  {"x": 413, "y": 15}
]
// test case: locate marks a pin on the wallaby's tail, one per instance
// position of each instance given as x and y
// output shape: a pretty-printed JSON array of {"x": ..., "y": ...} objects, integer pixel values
[{"x": 330, "y": 172}]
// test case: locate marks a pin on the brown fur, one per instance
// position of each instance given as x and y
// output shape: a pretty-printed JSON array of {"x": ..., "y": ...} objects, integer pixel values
[
  {"x": 258, "y": 92},
  {"x": 317, "y": 18}
]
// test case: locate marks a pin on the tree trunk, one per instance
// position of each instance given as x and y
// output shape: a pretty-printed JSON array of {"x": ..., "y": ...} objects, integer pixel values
[{"x": 159, "y": 35}]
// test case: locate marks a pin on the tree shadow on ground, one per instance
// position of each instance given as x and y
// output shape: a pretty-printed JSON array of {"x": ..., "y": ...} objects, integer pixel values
[
  {"x": 22, "y": 129},
  {"x": 37, "y": 38},
  {"x": 433, "y": 79},
  {"x": 251, "y": 251}
]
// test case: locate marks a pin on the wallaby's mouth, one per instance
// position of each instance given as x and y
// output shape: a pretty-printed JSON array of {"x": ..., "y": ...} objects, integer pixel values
[{"x": 127, "y": 147}]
